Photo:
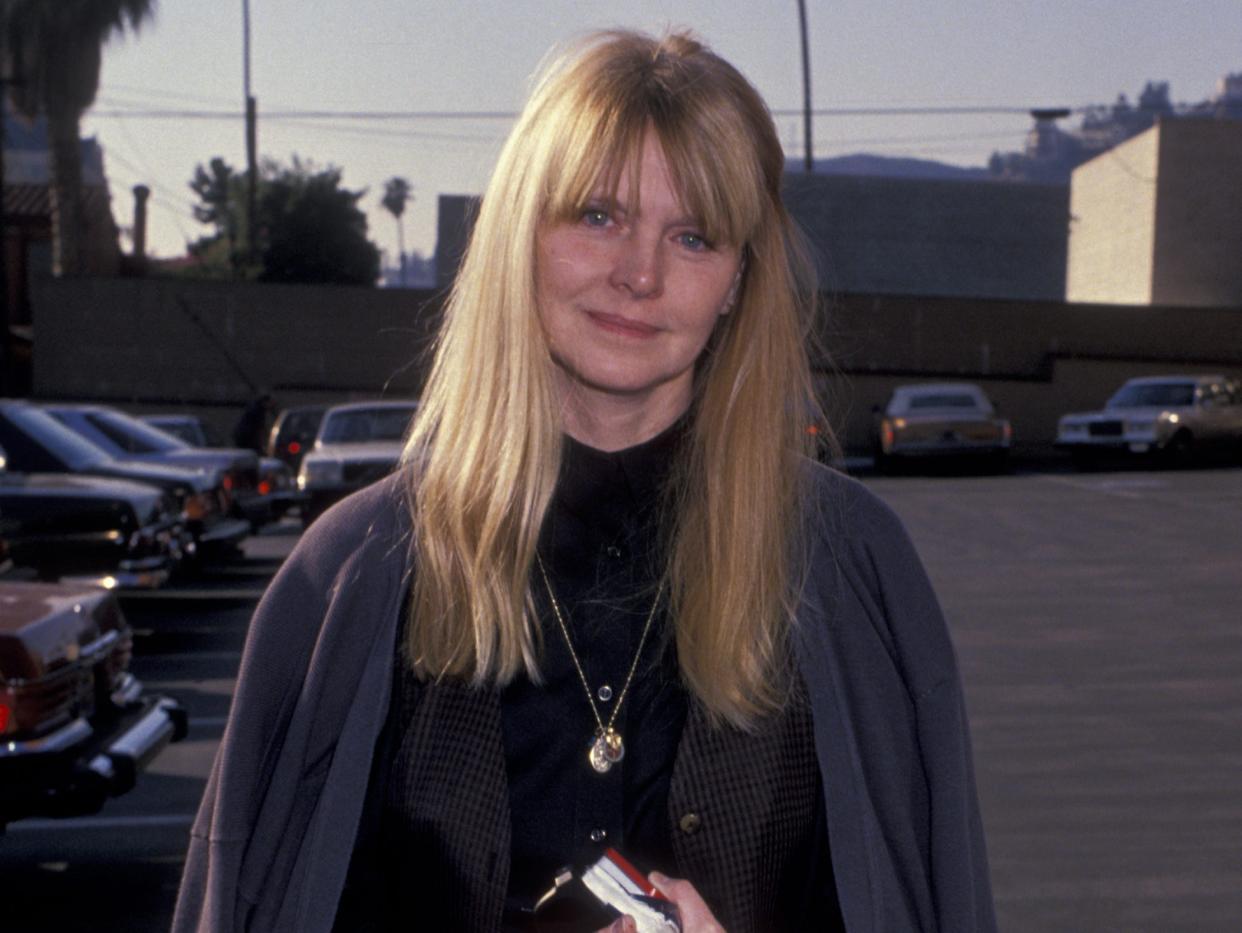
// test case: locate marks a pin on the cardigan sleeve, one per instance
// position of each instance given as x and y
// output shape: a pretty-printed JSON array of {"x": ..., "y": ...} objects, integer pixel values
[
  {"x": 922, "y": 650},
  {"x": 891, "y": 731},
  {"x": 288, "y": 687}
]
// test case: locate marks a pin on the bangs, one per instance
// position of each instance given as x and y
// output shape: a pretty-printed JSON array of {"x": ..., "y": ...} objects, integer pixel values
[{"x": 715, "y": 175}]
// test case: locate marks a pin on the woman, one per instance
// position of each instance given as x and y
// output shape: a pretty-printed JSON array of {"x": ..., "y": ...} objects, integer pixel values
[{"x": 608, "y": 601}]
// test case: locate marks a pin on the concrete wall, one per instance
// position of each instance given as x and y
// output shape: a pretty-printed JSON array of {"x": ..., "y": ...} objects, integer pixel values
[
  {"x": 934, "y": 237},
  {"x": 208, "y": 347},
  {"x": 1159, "y": 218},
  {"x": 1198, "y": 249},
  {"x": 151, "y": 344},
  {"x": 1112, "y": 227}
]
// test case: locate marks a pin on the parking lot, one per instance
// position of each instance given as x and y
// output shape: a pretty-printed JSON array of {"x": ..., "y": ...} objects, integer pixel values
[{"x": 1098, "y": 618}]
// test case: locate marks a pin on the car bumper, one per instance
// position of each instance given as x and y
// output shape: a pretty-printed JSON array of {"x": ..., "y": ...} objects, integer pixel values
[
  {"x": 947, "y": 449},
  {"x": 262, "y": 509},
  {"x": 74, "y": 770},
  {"x": 1122, "y": 444}
]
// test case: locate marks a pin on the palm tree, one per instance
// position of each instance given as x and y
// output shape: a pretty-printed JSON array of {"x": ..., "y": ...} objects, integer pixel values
[
  {"x": 53, "y": 50},
  {"x": 396, "y": 193}
]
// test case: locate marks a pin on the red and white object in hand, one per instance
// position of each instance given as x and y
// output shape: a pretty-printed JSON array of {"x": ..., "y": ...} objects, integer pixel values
[{"x": 624, "y": 888}]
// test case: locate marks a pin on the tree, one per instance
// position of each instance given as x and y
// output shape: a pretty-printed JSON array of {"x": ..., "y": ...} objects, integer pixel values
[
  {"x": 310, "y": 229},
  {"x": 53, "y": 51},
  {"x": 396, "y": 193}
]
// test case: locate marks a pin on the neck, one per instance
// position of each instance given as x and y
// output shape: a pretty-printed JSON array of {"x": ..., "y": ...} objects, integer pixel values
[{"x": 608, "y": 421}]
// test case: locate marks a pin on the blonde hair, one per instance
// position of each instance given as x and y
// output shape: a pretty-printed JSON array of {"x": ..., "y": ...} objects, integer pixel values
[{"x": 486, "y": 444}]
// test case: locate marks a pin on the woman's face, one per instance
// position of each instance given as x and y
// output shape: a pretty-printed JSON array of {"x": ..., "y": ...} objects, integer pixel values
[{"x": 628, "y": 300}]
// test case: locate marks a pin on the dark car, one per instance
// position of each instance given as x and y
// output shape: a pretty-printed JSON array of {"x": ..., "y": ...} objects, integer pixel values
[
  {"x": 260, "y": 489},
  {"x": 108, "y": 532},
  {"x": 76, "y": 728},
  {"x": 35, "y": 442},
  {"x": 293, "y": 433}
]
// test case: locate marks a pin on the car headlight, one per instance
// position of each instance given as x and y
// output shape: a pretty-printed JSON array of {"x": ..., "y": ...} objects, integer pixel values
[
  {"x": 319, "y": 473},
  {"x": 1072, "y": 427}
]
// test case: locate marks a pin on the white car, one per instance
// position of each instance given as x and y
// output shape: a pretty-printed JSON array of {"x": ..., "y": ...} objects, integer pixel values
[
  {"x": 357, "y": 444},
  {"x": 1173, "y": 416}
]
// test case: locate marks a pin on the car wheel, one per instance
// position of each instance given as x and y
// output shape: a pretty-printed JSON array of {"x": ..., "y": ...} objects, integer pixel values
[{"x": 1179, "y": 451}]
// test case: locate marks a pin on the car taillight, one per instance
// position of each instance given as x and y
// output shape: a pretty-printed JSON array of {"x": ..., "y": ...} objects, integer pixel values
[
  {"x": 265, "y": 488},
  {"x": 886, "y": 436},
  {"x": 228, "y": 481},
  {"x": 6, "y": 714},
  {"x": 294, "y": 447},
  {"x": 1007, "y": 431}
]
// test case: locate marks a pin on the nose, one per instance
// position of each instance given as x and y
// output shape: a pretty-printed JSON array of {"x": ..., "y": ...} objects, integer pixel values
[{"x": 639, "y": 265}]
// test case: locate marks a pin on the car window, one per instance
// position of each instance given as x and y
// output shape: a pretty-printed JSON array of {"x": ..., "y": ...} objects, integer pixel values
[
  {"x": 943, "y": 400},
  {"x": 141, "y": 437},
  {"x": 1154, "y": 395},
  {"x": 366, "y": 424},
  {"x": 67, "y": 445}
]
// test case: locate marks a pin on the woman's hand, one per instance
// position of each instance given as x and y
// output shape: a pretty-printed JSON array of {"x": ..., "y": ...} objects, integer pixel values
[{"x": 696, "y": 916}]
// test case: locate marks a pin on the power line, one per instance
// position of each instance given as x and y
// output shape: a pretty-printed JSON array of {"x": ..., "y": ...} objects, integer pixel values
[{"x": 384, "y": 115}]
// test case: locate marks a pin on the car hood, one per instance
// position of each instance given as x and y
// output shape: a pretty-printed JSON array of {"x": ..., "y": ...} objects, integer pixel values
[
  {"x": 158, "y": 474},
  {"x": 366, "y": 451},
  {"x": 71, "y": 486}
]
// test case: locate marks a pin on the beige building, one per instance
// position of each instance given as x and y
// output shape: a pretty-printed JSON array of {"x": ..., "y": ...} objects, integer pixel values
[{"x": 1158, "y": 219}]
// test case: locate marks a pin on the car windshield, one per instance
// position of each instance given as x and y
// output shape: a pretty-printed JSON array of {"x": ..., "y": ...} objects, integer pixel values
[
  {"x": 185, "y": 429},
  {"x": 66, "y": 445},
  {"x": 132, "y": 435},
  {"x": 1154, "y": 395},
  {"x": 358, "y": 425}
]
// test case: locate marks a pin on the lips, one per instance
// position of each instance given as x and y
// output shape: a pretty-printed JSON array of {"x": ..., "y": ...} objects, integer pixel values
[{"x": 622, "y": 326}]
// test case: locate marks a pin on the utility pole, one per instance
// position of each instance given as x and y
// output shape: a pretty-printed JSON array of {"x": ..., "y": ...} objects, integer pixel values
[
  {"x": 6, "y": 362},
  {"x": 252, "y": 170},
  {"x": 809, "y": 156}
]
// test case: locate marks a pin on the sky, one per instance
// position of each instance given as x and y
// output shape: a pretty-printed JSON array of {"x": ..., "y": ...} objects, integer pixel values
[{"x": 163, "y": 90}]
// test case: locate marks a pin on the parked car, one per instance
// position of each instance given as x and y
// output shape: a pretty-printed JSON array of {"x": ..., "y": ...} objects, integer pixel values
[
  {"x": 35, "y": 442},
  {"x": 76, "y": 728},
  {"x": 940, "y": 420},
  {"x": 1171, "y": 417},
  {"x": 293, "y": 433},
  {"x": 260, "y": 490},
  {"x": 190, "y": 428},
  {"x": 357, "y": 444},
  {"x": 107, "y": 532}
]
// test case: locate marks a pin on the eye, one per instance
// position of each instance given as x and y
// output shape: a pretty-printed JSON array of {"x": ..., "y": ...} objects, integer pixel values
[
  {"x": 694, "y": 241},
  {"x": 595, "y": 217}
]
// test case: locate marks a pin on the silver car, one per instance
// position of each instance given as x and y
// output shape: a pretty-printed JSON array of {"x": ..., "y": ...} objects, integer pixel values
[{"x": 1174, "y": 417}]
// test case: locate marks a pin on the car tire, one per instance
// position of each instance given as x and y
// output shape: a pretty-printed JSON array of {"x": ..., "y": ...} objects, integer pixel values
[{"x": 1179, "y": 451}]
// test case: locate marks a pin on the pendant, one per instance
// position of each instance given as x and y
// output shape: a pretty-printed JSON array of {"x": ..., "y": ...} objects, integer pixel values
[
  {"x": 598, "y": 756},
  {"x": 606, "y": 750}
]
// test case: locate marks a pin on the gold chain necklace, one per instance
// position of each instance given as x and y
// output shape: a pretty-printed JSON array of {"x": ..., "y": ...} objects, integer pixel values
[{"x": 607, "y": 748}]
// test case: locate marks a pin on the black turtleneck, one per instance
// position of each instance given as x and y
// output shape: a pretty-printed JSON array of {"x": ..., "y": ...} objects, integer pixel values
[{"x": 602, "y": 546}]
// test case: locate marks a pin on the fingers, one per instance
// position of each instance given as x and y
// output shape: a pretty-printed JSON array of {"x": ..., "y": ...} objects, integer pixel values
[
  {"x": 621, "y": 925},
  {"x": 696, "y": 916}
]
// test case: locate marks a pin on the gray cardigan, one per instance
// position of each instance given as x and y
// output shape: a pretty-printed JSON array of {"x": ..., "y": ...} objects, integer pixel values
[{"x": 272, "y": 842}]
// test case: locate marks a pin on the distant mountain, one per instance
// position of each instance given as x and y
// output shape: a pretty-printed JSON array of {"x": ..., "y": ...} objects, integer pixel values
[{"x": 862, "y": 163}]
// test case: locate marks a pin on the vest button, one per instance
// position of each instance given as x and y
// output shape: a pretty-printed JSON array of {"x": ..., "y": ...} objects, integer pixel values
[
  {"x": 613, "y": 551},
  {"x": 690, "y": 823},
  {"x": 599, "y": 835}
]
